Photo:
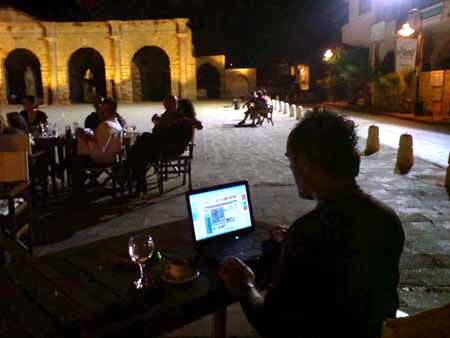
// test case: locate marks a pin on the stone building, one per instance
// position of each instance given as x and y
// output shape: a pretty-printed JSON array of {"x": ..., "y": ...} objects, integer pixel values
[
  {"x": 64, "y": 62},
  {"x": 374, "y": 24},
  {"x": 214, "y": 80}
]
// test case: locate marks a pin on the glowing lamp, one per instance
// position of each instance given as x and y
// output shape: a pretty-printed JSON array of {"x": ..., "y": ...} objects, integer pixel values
[{"x": 406, "y": 31}]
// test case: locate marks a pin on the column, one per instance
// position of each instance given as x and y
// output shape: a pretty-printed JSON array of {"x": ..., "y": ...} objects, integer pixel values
[
  {"x": 46, "y": 87},
  {"x": 116, "y": 86},
  {"x": 53, "y": 69},
  {"x": 62, "y": 94},
  {"x": 3, "y": 85},
  {"x": 182, "y": 40}
]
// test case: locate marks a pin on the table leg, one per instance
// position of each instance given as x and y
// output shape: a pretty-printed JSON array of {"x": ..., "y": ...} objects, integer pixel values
[{"x": 220, "y": 324}]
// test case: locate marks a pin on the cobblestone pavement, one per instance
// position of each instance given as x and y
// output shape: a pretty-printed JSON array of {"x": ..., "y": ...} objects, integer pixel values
[{"x": 224, "y": 153}]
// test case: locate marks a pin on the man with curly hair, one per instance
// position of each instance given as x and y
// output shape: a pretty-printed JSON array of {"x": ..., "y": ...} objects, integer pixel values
[{"x": 338, "y": 270}]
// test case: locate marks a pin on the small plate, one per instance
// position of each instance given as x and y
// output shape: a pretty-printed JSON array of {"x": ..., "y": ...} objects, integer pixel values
[
  {"x": 190, "y": 273},
  {"x": 185, "y": 280}
]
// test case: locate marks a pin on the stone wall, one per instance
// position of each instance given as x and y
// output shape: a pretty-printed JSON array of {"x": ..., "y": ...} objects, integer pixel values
[
  {"x": 117, "y": 41},
  {"x": 435, "y": 93},
  {"x": 239, "y": 81}
]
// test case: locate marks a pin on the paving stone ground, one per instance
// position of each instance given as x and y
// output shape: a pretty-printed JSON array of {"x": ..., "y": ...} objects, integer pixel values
[{"x": 224, "y": 153}]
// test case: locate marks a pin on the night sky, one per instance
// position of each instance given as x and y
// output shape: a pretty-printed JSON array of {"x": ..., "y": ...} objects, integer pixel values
[{"x": 268, "y": 31}]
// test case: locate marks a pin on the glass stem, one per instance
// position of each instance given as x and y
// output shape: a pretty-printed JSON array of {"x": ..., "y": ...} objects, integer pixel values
[{"x": 141, "y": 268}]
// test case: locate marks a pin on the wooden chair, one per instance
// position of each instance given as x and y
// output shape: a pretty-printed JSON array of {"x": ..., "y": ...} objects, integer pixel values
[
  {"x": 434, "y": 323},
  {"x": 100, "y": 175},
  {"x": 180, "y": 165},
  {"x": 14, "y": 188}
]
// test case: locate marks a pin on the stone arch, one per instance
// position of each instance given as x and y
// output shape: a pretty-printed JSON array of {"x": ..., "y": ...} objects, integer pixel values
[
  {"x": 239, "y": 86},
  {"x": 23, "y": 75},
  {"x": 86, "y": 75},
  {"x": 208, "y": 78},
  {"x": 150, "y": 74}
]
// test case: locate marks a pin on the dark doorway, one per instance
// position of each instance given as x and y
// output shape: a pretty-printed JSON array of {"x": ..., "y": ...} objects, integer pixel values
[
  {"x": 86, "y": 75},
  {"x": 208, "y": 78},
  {"x": 23, "y": 75},
  {"x": 150, "y": 72}
]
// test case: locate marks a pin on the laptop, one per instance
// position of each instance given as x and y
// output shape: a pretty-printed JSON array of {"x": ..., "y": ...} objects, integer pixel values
[{"x": 222, "y": 222}]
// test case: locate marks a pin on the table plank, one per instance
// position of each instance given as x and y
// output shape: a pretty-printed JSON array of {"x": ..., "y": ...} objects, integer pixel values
[
  {"x": 42, "y": 291},
  {"x": 16, "y": 310}
]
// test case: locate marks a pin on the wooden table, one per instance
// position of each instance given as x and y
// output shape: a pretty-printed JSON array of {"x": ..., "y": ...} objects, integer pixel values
[{"x": 87, "y": 292}]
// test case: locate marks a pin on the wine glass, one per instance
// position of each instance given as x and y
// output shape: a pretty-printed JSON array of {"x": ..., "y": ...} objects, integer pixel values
[{"x": 140, "y": 249}]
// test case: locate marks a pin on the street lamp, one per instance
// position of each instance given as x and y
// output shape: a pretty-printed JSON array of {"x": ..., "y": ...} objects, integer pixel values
[
  {"x": 328, "y": 55},
  {"x": 415, "y": 16},
  {"x": 406, "y": 31}
]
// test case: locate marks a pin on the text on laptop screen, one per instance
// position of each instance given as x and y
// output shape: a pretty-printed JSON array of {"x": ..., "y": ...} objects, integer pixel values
[{"x": 219, "y": 212}]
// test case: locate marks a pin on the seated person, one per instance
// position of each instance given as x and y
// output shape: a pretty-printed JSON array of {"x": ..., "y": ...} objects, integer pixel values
[
  {"x": 103, "y": 145},
  {"x": 338, "y": 271},
  {"x": 249, "y": 105},
  {"x": 161, "y": 123},
  {"x": 267, "y": 98},
  {"x": 92, "y": 120},
  {"x": 16, "y": 121},
  {"x": 32, "y": 115},
  {"x": 100, "y": 147},
  {"x": 171, "y": 140},
  {"x": 187, "y": 113}
]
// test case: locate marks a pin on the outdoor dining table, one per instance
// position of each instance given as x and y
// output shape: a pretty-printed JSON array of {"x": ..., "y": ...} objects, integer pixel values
[
  {"x": 88, "y": 291},
  {"x": 58, "y": 148}
]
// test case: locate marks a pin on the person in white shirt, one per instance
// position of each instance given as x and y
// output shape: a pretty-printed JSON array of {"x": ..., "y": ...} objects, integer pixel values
[
  {"x": 103, "y": 145},
  {"x": 96, "y": 148}
]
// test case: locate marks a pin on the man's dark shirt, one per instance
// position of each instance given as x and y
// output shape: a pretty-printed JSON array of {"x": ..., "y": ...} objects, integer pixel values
[{"x": 338, "y": 273}]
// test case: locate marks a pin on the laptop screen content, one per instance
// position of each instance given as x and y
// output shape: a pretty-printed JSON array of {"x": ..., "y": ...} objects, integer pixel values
[{"x": 219, "y": 212}]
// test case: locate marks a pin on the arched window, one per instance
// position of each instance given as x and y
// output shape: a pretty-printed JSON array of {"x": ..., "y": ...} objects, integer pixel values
[
  {"x": 23, "y": 75},
  {"x": 150, "y": 71},
  {"x": 86, "y": 75},
  {"x": 208, "y": 78}
]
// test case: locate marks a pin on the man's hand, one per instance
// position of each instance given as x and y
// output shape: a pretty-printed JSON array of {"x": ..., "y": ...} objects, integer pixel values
[
  {"x": 235, "y": 274},
  {"x": 278, "y": 233}
]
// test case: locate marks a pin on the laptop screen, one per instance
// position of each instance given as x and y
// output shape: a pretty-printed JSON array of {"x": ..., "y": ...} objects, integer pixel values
[{"x": 220, "y": 211}]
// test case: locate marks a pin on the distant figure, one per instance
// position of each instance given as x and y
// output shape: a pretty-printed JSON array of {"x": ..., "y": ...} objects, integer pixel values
[
  {"x": 32, "y": 115},
  {"x": 250, "y": 104},
  {"x": 92, "y": 120},
  {"x": 337, "y": 267},
  {"x": 30, "y": 82}
]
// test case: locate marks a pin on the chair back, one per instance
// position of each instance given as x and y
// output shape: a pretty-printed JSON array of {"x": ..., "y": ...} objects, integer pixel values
[
  {"x": 14, "y": 150},
  {"x": 433, "y": 323}
]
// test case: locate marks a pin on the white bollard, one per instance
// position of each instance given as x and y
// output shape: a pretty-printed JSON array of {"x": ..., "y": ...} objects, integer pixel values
[
  {"x": 373, "y": 141},
  {"x": 405, "y": 155},
  {"x": 286, "y": 108},
  {"x": 447, "y": 177},
  {"x": 299, "y": 113},
  {"x": 276, "y": 106},
  {"x": 293, "y": 111},
  {"x": 282, "y": 107}
]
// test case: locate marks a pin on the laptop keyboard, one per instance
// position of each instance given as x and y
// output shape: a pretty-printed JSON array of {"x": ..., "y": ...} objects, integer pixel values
[{"x": 245, "y": 247}]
